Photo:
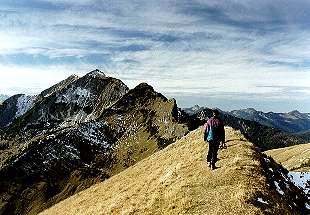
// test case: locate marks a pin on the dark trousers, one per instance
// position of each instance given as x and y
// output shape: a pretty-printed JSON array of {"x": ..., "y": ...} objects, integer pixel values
[{"x": 212, "y": 153}]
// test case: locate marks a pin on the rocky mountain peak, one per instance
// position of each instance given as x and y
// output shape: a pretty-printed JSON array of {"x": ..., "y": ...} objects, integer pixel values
[
  {"x": 293, "y": 122},
  {"x": 96, "y": 74},
  {"x": 84, "y": 131},
  {"x": 196, "y": 107},
  {"x": 59, "y": 86},
  {"x": 73, "y": 101},
  {"x": 144, "y": 86},
  {"x": 251, "y": 110},
  {"x": 294, "y": 112}
]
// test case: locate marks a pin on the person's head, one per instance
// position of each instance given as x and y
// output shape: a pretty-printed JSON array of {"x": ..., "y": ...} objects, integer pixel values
[{"x": 215, "y": 112}]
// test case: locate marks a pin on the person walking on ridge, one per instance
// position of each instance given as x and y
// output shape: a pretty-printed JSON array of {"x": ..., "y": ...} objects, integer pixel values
[{"x": 214, "y": 134}]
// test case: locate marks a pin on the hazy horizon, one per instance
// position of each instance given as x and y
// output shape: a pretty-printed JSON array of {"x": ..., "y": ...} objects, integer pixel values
[{"x": 228, "y": 54}]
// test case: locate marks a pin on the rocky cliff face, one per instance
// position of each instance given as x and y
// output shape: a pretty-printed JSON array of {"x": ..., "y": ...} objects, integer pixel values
[
  {"x": 59, "y": 86},
  {"x": 83, "y": 132},
  {"x": 143, "y": 121}
]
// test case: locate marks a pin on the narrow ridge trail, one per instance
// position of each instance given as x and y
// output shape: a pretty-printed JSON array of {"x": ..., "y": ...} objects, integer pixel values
[{"x": 177, "y": 180}]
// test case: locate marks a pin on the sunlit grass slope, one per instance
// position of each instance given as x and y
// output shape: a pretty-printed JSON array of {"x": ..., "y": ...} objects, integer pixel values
[
  {"x": 295, "y": 158},
  {"x": 177, "y": 180}
]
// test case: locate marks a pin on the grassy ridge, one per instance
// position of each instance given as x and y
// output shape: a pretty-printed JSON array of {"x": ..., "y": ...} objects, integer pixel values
[
  {"x": 177, "y": 180},
  {"x": 295, "y": 158}
]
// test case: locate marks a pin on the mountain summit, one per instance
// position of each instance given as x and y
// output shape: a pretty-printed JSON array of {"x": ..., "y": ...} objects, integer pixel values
[
  {"x": 77, "y": 100},
  {"x": 96, "y": 73},
  {"x": 77, "y": 133}
]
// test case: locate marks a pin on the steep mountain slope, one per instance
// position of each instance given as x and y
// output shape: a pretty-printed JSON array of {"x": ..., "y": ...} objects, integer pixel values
[
  {"x": 293, "y": 121},
  {"x": 263, "y": 136},
  {"x": 193, "y": 110},
  {"x": 80, "y": 101},
  {"x": 18, "y": 105},
  {"x": 296, "y": 158},
  {"x": 143, "y": 121},
  {"x": 59, "y": 86},
  {"x": 305, "y": 135},
  {"x": 176, "y": 180},
  {"x": 97, "y": 134},
  {"x": 15, "y": 107}
]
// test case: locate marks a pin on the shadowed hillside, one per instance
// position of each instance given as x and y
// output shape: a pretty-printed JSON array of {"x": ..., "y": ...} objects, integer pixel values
[{"x": 176, "y": 180}]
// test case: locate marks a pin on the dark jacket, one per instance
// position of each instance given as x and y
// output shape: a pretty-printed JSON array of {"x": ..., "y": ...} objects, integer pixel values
[{"x": 218, "y": 131}]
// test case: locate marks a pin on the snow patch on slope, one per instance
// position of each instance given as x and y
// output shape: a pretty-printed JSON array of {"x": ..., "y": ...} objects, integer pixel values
[
  {"x": 77, "y": 95},
  {"x": 262, "y": 201},
  {"x": 96, "y": 74},
  {"x": 302, "y": 180},
  {"x": 92, "y": 132},
  {"x": 24, "y": 103},
  {"x": 278, "y": 188}
]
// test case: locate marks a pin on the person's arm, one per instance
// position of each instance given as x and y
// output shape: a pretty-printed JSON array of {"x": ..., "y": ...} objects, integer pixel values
[
  {"x": 206, "y": 131},
  {"x": 204, "y": 127},
  {"x": 223, "y": 133}
]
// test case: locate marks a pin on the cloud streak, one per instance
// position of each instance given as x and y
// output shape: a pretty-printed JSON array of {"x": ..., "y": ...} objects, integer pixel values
[{"x": 210, "y": 48}]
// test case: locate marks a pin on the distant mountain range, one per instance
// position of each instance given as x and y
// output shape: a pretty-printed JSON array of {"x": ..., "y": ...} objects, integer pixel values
[
  {"x": 292, "y": 122},
  {"x": 84, "y": 130},
  {"x": 261, "y": 135}
]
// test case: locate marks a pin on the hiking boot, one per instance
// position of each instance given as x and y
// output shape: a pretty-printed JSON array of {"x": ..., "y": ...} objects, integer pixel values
[{"x": 213, "y": 167}]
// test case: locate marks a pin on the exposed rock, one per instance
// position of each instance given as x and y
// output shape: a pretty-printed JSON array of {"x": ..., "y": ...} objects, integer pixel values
[
  {"x": 80, "y": 101},
  {"x": 78, "y": 135}
]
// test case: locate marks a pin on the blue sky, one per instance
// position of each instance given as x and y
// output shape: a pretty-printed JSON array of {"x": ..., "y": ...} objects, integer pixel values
[{"x": 230, "y": 53}]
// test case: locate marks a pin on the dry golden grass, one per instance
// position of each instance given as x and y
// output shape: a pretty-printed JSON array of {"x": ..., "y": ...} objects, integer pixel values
[
  {"x": 177, "y": 180},
  {"x": 296, "y": 158}
]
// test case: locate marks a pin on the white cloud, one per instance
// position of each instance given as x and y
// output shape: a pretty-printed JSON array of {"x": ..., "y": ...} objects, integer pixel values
[
  {"x": 215, "y": 48},
  {"x": 29, "y": 80}
]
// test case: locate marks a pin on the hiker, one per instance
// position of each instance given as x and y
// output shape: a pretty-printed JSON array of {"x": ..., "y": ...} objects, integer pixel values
[{"x": 214, "y": 134}]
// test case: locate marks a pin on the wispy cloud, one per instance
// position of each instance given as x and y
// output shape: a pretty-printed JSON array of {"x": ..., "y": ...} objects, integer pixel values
[{"x": 208, "y": 48}]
